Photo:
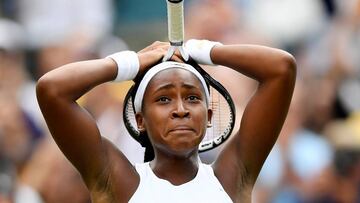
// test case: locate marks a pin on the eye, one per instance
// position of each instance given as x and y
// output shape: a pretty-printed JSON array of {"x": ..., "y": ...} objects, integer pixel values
[
  {"x": 193, "y": 98},
  {"x": 163, "y": 99}
]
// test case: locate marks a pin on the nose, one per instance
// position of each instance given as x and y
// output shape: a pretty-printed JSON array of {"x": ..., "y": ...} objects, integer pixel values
[{"x": 180, "y": 111}]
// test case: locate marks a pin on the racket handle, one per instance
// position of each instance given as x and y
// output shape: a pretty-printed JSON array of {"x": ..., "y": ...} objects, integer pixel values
[{"x": 175, "y": 9}]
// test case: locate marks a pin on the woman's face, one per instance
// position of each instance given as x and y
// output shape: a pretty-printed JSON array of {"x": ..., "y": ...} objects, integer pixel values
[{"x": 174, "y": 113}]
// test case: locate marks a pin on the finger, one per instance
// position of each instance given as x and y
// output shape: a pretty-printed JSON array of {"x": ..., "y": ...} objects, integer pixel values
[
  {"x": 159, "y": 43},
  {"x": 155, "y": 46},
  {"x": 177, "y": 53},
  {"x": 177, "y": 59}
]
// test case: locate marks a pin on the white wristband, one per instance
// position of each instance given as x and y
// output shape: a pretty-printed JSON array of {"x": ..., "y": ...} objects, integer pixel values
[
  {"x": 127, "y": 64},
  {"x": 200, "y": 50}
]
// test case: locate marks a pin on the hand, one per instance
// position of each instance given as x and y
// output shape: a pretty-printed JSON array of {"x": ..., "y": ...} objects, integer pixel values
[{"x": 151, "y": 55}]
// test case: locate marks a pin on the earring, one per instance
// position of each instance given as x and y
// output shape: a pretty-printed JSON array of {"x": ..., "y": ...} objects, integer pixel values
[{"x": 209, "y": 125}]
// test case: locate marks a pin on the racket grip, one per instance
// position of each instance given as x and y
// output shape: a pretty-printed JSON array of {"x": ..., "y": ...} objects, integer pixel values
[{"x": 175, "y": 9}]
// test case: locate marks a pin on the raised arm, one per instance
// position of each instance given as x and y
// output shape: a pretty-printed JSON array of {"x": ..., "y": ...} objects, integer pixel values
[
  {"x": 275, "y": 70},
  {"x": 75, "y": 131}
]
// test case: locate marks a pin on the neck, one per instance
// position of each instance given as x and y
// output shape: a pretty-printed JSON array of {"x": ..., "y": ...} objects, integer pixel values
[{"x": 177, "y": 170}]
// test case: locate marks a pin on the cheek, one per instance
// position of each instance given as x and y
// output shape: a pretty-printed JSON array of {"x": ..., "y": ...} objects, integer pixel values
[
  {"x": 156, "y": 119},
  {"x": 200, "y": 117}
]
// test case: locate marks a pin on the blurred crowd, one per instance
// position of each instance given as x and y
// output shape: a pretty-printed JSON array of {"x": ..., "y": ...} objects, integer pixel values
[{"x": 317, "y": 155}]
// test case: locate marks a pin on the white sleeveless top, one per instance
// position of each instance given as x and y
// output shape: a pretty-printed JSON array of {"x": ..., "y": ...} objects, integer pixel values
[{"x": 205, "y": 187}]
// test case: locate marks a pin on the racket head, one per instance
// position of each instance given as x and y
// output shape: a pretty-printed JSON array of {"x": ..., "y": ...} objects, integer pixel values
[{"x": 221, "y": 104}]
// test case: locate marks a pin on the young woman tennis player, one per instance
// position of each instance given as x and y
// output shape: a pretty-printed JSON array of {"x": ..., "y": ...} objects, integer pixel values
[{"x": 172, "y": 108}]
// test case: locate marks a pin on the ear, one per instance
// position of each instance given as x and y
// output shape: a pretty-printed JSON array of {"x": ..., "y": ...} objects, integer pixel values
[
  {"x": 210, "y": 113},
  {"x": 140, "y": 122}
]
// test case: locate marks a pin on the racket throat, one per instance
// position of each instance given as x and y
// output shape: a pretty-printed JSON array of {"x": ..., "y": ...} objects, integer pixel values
[{"x": 172, "y": 49}]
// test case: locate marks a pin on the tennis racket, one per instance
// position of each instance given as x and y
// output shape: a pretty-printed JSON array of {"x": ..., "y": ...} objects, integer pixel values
[
  {"x": 175, "y": 13},
  {"x": 221, "y": 103}
]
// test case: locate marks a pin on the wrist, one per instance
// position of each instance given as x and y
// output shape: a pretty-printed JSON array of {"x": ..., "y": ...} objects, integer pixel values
[
  {"x": 127, "y": 63},
  {"x": 200, "y": 50}
]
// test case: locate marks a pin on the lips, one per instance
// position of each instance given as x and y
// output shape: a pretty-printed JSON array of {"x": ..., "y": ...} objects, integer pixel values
[{"x": 181, "y": 129}]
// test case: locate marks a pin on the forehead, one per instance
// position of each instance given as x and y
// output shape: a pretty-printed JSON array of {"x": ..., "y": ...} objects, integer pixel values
[{"x": 174, "y": 76}]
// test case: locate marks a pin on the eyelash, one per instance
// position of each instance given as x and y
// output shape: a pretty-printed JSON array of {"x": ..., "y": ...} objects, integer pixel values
[
  {"x": 191, "y": 98},
  {"x": 161, "y": 99},
  {"x": 194, "y": 98}
]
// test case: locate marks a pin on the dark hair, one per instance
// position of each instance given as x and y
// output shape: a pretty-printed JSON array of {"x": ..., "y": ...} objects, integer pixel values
[{"x": 149, "y": 150}]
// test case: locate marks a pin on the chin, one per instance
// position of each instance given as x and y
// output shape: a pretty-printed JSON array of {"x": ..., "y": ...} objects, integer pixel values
[
  {"x": 182, "y": 145},
  {"x": 184, "y": 150}
]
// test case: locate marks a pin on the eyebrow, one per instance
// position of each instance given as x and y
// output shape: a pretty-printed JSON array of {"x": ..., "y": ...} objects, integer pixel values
[{"x": 170, "y": 85}]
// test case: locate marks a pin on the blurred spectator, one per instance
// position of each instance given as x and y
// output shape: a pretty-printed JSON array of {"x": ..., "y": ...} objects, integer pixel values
[
  {"x": 8, "y": 9},
  {"x": 48, "y": 22},
  {"x": 333, "y": 56},
  {"x": 12, "y": 37},
  {"x": 348, "y": 43},
  {"x": 14, "y": 79},
  {"x": 7, "y": 178},
  {"x": 316, "y": 158},
  {"x": 75, "y": 47},
  {"x": 15, "y": 140},
  {"x": 300, "y": 158},
  {"x": 287, "y": 23},
  {"x": 345, "y": 137},
  {"x": 330, "y": 7},
  {"x": 49, "y": 177},
  {"x": 219, "y": 20},
  {"x": 16, "y": 144}
]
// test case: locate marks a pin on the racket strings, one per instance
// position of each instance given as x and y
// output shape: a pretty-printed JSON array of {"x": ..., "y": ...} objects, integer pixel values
[
  {"x": 221, "y": 119},
  {"x": 129, "y": 116}
]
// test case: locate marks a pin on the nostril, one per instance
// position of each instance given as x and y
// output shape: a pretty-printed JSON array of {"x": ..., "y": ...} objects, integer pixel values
[
  {"x": 187, "y": 113},
  {"x": 175, "y": 115},
  {"x": 180, "y": 114}
]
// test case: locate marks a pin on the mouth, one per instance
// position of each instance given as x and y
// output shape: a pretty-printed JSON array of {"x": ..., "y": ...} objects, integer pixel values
[{"x": 182, "y": 129}]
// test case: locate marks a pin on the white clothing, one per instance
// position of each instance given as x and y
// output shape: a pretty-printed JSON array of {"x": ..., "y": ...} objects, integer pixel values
[
  {"x": 205, "y": 187},
  {"x": 27, "y": 194}
]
